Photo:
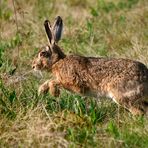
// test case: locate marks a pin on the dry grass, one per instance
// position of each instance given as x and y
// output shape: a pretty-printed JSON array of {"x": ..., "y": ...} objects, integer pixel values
[{"x": 32, "y": 130}]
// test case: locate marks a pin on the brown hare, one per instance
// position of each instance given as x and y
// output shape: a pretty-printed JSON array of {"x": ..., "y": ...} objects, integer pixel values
[{"x": 123, "y": 80}]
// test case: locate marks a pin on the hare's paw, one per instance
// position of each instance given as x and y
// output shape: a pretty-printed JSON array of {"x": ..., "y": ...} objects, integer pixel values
[
  {"x": 54, "y": 92},
  {"x": 54, "y": 89},
  {"x": 43, "y": 88},
  {"x": 51, "y": 86}
]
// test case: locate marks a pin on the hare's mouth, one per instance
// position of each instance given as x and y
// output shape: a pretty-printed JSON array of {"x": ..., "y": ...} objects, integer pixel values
[{"x": 37, "y": 73}]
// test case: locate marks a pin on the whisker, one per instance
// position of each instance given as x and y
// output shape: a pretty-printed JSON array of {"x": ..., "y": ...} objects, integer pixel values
[{"x": 38, "y": 73}]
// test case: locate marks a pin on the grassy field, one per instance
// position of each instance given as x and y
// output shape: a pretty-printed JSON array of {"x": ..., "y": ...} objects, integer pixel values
[{"x": 113, "y": 28}]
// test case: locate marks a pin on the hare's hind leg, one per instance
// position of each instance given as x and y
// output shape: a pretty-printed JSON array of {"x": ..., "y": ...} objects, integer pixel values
[
  {"x": 136, "y": 110},
  {"x": 44, "y": 88},
  {"x": 134, "y": 106},
  {"x": 51, "y": 86}
]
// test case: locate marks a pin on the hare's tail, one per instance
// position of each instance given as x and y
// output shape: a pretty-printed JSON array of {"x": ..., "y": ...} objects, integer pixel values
[
  {"x": 146, "y": 108},
  {"x": 145, "y": 103}
]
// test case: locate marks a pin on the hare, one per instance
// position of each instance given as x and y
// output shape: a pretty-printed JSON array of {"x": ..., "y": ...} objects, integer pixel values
[{"x": 124, "y": 81}]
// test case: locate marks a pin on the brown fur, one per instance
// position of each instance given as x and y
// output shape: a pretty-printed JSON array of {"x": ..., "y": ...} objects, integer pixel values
[{"x": 123, "y": 80}]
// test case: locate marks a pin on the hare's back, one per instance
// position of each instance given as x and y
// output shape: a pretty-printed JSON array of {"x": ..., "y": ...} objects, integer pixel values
[
  {"x": 100, "y": 68},
  {"x": 103, "y": 68}
]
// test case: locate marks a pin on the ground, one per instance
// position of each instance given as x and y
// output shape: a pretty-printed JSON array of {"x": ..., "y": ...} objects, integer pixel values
[{"x": 109, "y": 28}]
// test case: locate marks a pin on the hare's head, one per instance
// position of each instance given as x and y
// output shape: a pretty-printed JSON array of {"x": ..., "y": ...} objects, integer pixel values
[{"x": 51, "y": 53}]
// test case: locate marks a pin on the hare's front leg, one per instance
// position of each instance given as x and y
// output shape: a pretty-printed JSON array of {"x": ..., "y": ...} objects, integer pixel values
[{"x": 51, "y": 86}]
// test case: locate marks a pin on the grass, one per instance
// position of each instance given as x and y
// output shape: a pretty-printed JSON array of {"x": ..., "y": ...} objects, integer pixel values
[{"x": 112, "y": 28}]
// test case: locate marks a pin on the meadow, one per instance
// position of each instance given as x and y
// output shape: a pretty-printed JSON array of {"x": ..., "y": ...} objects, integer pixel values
[{"x": 109, "y": 28}]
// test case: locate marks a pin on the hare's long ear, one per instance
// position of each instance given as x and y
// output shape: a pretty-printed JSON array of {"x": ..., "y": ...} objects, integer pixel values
[
  {"x": 48, "y": 30},
  {"x": 57, "y": 28}
]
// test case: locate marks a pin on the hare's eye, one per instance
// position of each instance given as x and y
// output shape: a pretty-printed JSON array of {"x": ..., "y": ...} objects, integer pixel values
[{"x": 45, "y": 54}]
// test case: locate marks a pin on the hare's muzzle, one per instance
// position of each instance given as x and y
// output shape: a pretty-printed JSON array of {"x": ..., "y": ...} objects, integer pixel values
[{"x": 34, "y": 65}]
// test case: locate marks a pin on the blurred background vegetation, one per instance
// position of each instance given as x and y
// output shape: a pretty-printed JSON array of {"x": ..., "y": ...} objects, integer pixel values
[{"x": 110, "y": 28}]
